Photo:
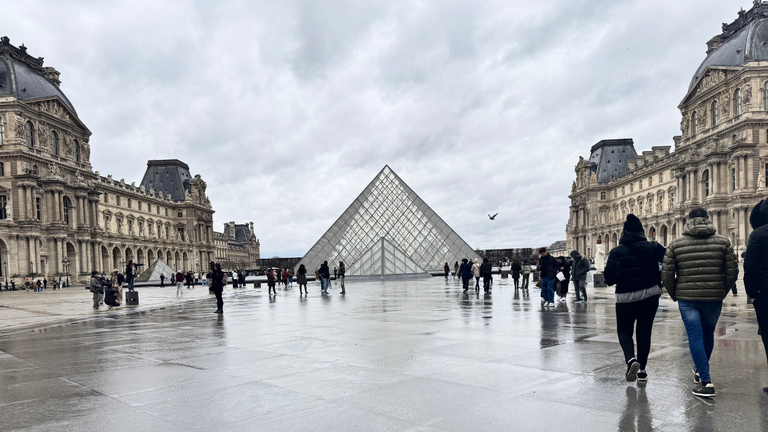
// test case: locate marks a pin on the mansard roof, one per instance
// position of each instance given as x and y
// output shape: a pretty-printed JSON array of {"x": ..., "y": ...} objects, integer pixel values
[
  {"x": 169, "y": 176},
  {"x": 742, "y": 41},
  {"x": 610, "y": 158},
  {"x": 25, "y": 78}
]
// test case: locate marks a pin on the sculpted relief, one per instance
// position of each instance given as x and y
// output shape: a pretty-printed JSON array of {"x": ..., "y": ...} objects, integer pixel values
[{"x": 711, "y": 79}]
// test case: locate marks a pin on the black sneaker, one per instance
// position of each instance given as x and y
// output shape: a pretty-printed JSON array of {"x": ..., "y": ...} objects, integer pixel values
[
  {"x": 632, "y": 368},
  {"x": 696, "y": 376},
  {"x": 642, "y": 376},
  {"x": 704, "y": 390}
]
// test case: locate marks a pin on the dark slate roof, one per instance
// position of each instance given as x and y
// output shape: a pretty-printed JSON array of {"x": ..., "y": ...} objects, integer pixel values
[
  {"x": 742, "y": 41},
  {"x": 242, "y": 232},
  {"x": 610, "y": 158},
  {"x": 21, "y": 75},
  {"x": 169, "y": 176}
]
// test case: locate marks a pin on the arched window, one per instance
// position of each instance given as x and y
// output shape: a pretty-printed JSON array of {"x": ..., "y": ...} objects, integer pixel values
[
  {"x": 714, "y": 113},
  {"x": 2, "y": 130},
  {"x": 76, "y": 150},
  {"x": 705, "y": 182},
  {"x": 30, "y": 132},
  {"x": 67, "y": 205},
  {"x": 695, "y": 122},
  {"x": 737, "y": 102},
  {"x": 54, "y": 143}
]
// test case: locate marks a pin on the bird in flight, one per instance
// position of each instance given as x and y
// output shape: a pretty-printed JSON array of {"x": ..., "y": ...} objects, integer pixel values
[{"x": 493, "y": 217}]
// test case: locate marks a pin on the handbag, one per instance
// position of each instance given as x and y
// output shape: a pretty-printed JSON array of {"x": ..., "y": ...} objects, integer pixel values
[
  {"x": 560, "y": 276},
  {"x": 538, "y": 284}
]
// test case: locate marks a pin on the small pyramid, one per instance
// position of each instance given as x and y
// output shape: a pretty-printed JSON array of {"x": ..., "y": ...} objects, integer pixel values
[
  {"x": 153, "y": 272},
  {"x": 390, "y": 210}
]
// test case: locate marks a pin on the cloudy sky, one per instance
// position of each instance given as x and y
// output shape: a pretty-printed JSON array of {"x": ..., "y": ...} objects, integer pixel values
[{"x": 289, "y": 108}]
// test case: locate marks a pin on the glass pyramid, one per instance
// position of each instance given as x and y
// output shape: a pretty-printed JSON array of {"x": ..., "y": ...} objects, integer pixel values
[
  {"x": 153, "y": 272},
  {"x": 388, "y": 209}
]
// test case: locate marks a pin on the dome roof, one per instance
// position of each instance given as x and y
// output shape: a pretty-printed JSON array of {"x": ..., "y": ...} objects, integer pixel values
[{"x": 25, "y": 78}]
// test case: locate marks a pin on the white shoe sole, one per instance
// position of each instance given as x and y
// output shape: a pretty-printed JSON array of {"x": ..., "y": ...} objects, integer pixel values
[{"x": 633, "y": 370}]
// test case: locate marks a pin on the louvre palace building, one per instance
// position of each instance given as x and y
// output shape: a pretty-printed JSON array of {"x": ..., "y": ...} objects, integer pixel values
[
  {"x": 58, "y": 216},
  {"x": 719, "y": 161}
]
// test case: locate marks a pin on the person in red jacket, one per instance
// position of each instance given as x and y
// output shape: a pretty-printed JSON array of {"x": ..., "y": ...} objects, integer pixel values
[{"x": 179, "y": 283}]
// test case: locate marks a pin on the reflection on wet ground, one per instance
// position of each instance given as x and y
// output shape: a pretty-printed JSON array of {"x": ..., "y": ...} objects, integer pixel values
[{"x": 397, "y": 355}]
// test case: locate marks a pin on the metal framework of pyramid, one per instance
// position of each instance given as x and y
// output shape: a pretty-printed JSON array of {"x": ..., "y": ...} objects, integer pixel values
[
  {"x": 386, "y": 220},
  {"x": 153, "y": 272}
]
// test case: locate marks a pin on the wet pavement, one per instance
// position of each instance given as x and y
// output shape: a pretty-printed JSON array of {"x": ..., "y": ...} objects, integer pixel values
[{"x": 414, "y": 355}]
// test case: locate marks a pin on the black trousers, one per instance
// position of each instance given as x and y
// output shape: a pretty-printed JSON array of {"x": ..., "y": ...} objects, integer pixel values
[
  {"x": 486, "y": 283},
  {"x": 219, "y": 300},
  {"x": 465, "y": 282},
  {"x": 525, "y": 280},
  {"x": 643, "y": 312},
  {"x": 761, "y": 309}
]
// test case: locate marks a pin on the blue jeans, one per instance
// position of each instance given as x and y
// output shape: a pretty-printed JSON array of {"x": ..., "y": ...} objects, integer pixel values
[
  {"x": 323, "y": 284},
  {"x": 700, "y": 318},
  {"x": 547, "y": 290},
  {"x": 130, "y": 280}
]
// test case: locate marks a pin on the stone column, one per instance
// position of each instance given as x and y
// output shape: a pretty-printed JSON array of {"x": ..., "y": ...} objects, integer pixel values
[
  {"x": 61, "y": 252},
  {"x": 38, "y": 264},
  {"x": 750, "y": 173},
  {"x": 30, "y": 257},
  {"x": 82, "y": 258},
  {"x": 740, "y": 168},
  {"x": 742, "y": 227},
  {"x": 13, "y": 255},
  {"x": 99, "y": 257},
  {"x": 30, "y": 203},
  {"x": 22, "y": 202},
  {"x": 747, "y": 211}
]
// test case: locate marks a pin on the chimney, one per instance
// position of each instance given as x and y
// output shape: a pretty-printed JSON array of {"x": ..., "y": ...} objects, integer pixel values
[{"x": 52, "y": 75}]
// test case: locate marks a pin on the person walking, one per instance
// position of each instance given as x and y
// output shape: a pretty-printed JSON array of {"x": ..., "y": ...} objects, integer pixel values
[
  {"x": 526, "y": 272},
  {"x": 466, "y": 273},
  {"x": 217, "y": 285},
  {"x": 290, "y": 276},
  {"x": 179, "y": 283},
  {"x": 325, "y": 276},
  {"x": 301, "y": 278},
  {"x": 285, "y": 277},
  {"x": 579, "y": 276},
  {"x": 196, "y": 279},
  {"x": 130, "y": 274},
  {"x": 485, "y": 270},
  {"x": 547, "y": 271},
  {"x": 95, "y": 288},
  {"x": 476, "y": 274},
  {"x": 564, "y": 267},
  {"x": 235, "y": 280},
  {"x": 271, "y": 279},
  {"x": 45, "y": 284},
  {"x": 633, "y": 266},
  {"x": 342, "y": 272},
  {"x": 699, "y": 270},
  {"x": 162, "y": 280},
  {"x": 516, "y": 268},
  {"x": 756, "y": 268},
  {"x": 335, "y": 272},
  {"x": 456, "y": 270},
  {"x": 446, "y": 270}
]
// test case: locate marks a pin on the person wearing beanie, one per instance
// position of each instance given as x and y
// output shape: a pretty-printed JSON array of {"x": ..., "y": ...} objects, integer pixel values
[
  {"x": 633, "y": 267},
  {"x": 526, "y": 272},
  {"x": 698, "y": 271},
  {"x": 755, "y": 268},
  {"x": 579, "y": 276}
]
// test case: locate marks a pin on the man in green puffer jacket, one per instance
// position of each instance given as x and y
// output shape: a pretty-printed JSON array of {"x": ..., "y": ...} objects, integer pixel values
[{"x": 698, "y": 271}]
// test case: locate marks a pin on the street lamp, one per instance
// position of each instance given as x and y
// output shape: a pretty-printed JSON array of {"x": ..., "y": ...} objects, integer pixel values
[{"x": 65, "y": 262}]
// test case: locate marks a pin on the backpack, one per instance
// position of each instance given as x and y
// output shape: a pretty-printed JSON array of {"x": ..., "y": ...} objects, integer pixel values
[{"x": 526, "y": 269}]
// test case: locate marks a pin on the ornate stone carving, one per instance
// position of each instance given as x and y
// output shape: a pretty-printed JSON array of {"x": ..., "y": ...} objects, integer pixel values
[
  {"x": 711, "y": 79},
  {"x": 53, "y": 170},
  {"x": 54, "y": 108},
  {"x": 746, "y": 92},
  {"x": 20, "y": 128},
  {"x": 42, "y": 134}
]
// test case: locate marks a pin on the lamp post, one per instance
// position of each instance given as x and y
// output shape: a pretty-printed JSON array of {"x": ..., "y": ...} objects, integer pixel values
[
  {"x": 5, "y": 270},
  {"x": 65, "y": 262}
]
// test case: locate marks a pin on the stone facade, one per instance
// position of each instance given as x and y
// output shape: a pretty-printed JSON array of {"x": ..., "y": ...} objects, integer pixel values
[
  {"x": 720, "y": 161},
  {"x": 237, "y": 247},
  {"x": 58, "y": 216}
]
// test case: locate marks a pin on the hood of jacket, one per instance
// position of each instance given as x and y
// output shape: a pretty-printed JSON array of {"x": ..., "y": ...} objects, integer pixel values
[
  {"x": 632, "y": 237},
  {"x": 759, "y": 215},
  {"x": 699, "y": 227}
]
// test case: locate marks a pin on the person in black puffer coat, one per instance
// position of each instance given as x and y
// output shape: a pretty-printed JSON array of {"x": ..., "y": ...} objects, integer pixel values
[
  {"x": 633, "y": 267},
  {"x": 516, "y": 269},
  {"x": 756, "y": 268},
  {"x": 466, "y": 273},
  {"x": 547, "y": 272},
  {"x": 485, "y": 273}
]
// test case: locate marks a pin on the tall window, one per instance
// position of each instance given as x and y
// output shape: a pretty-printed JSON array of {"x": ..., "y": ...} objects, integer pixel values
[
  {"x": 661, "y": 177},
  {"x": 2, "y": 130},
  {"x": 695, "y": 122},
  {"x": 616, "y": 191},
  {"x": 54, "y": 143},
  {"x": 765, "y": 95},
  {"x": 129, "y": 203},
  {"x": 714, "y": 113},
  {"x": 737, "y": 102},
  {"x": 180, "y": 213},
  {"x": 623, "y": 190},
  {"x": 117, "y": 197},
  {"x": 631, "y": 187},
  {"x": 67, "y": 205},
  {"x": 76, "y": 150},
  {"x": 650, "y": 181},
  {"x": 602, "y": 195},
  {"x": 38, "y": 209},
  {"x": 705, "y": 181},
  {"x": 3, "y": 202},
  {"x": 640, "y": 184},
  {"x": 733, "y": 179},
  {"x": 29, "y": 129},
  {"x": 2, "y": 169}
]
